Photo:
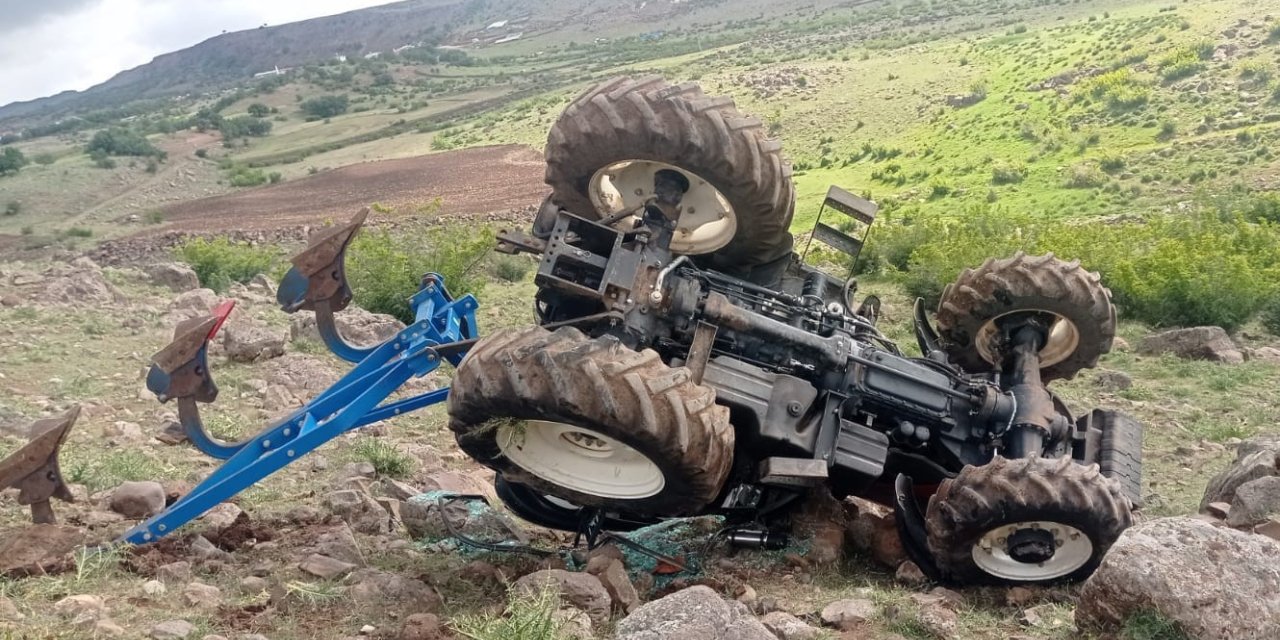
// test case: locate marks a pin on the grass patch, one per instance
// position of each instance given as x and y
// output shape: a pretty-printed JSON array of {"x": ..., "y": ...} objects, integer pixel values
[
  {"x": 1151, "y": 625},
  {"x": 386, "y": 459},
  {"x": 385, "y": 269},
  {"x": 527, "y": 617}
]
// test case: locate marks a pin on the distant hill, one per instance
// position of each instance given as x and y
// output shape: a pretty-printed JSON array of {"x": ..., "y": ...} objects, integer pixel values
[{"x": 233, "y": 57}]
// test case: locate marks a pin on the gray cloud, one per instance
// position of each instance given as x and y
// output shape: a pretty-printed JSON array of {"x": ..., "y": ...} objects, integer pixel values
[{"x": 22, "y": 13}]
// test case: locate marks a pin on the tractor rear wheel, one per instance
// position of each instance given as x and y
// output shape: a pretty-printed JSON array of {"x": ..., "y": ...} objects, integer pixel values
[
  {"x": 604, "y": 150},
  {"x": 591, "y": 421},
  {"x": 980, "y": 311}
]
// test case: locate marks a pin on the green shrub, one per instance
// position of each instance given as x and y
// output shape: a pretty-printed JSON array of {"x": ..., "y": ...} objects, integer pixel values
[
  {"x": 1181, "y": 63},
  {"x": 44, "y": 159},
  {"x": 1203, "y": 268},
  {"x": 118, "y": 141},
  {"x": 12, "y": 160},
  {"x": 325, "y": 106},
  {"x": 202, "y": 153},
  {"x": 275, "y": 177},
  {"x": 1085, "y": 176},
  {"x": 1008, "y": 173},
  {"x": 386, "y": 459},
  {"x": 12, "y": 208},
  {"x": 78, "y": 232},
  {"x": 220, "y": 261},
  {"x": 1111, "y": 164},
  {"x": 1271, "y": 314},
  {"x": 385, "y": 270},
  {"x": 239, "y": 175},
  {"x": 510, "y": 268},
  {"x": 528, "y": 616}
]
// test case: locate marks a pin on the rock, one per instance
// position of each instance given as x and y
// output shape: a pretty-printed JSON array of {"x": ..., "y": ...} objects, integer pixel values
[
  {"x": 1044, "y": 616},
  {"x": 247, "y": 342},
  {"x": 367, "y": 629},
  {"x": 421, "y": 516},
  {"x": 78, "y": 605},
  {"x": 1270, "y": 528},
  {"x": 696, "y": 613},
  {"x": 356, "y": 325},
  {"x": 1120, "y": 345},
  {"x": 108, "y": 628},
  {"x": 1109, "y": 380},
  {"x": 1218, "y": 510},
  {"x": 398, "y": 490},
  {"x": 122, "y": 432},
  {"x": 1255, "y": 458},
  {"x": 324, "y": 567},
  {"x": 376, "y": 588},
  {"x": 172, "y": 630},
  {"x": 358, "y": 509},
  {"x": 9, "y": 611},
  {"x": 138, "y": 500},
  {"x": 178, "y": 277},
  {"x": 179, "y": 571},
  {"x": 910, "y": 573},
  {"x": 1255, "y": 501},
  {"x": 574, "y": 624},
  {"x": 1195, "y": 343},
  {"x": 172, "y": 432},
  {"x": 359, "y": 470},
  {"x": 848, "y": 613},
  {"x": 939, "y": 621},
  {"x": 81, "y": 286},
  {"x": 253, "y": 585},
  {"x": 822, "y": 520},
  {"x": 338, "y": 542},
  {"x": 1214, "y": 582},
  {"x": 262, "y": 285},
  {"x": 454, "y": 482},
  {"x": 197, "y": 302},
  {"x": 154, "y": 588},
  {"x": 1263, "y": 354},
  {"x": 201, "y": 595},
  {"x": 871, "y": 528},
  {"x": 423, "y": 626},
  {"x": 789, "y": 627},
  {"x": 581, "y": 590},
  {"x": 219, "y": 518},
  {"x": 38, "y": 549},
  {"x": 616, "y": 581},
  {"x": 206, "y": 551}
]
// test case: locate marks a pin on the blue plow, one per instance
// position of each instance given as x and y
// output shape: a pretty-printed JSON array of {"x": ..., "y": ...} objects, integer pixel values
[{"x": 444, "y": 328}]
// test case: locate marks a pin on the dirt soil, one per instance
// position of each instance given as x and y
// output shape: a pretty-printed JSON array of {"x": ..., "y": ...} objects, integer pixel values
[{"x": 468, "y": 182}]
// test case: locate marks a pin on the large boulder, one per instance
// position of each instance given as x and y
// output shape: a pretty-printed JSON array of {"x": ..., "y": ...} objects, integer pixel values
[
  {"x": 1212, "y": 581},
  {"x": 1255, "y": 458},
  {"x": 696, "y": 613},
  {"x": 356, "y": 325},
  {"x": 177, "y": 277},
  {"x": 1194, "y": 343},
  {"x": 1255, "y": 502},
  {"x": 79, "y": 284}
]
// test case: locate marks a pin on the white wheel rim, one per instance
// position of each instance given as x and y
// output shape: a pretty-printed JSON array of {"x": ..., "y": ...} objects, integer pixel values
[
  {"x": 580, "y": 460},
  {"x": 1061, "y": 342},
  {"x": 1072, "y": 550},
  {"x": 707, "y": 220}
]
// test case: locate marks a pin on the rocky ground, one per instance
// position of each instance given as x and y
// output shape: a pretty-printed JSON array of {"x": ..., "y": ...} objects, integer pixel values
[{"x": 348, "y": 541}]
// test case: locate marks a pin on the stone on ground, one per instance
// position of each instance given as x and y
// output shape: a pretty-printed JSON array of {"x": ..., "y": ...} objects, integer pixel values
[
  {"x": 1255, "y": 458},
  {"x": 408, "y": 595},
  {"x": 77, "y": 605},
  {"x": 422, "y": 516},
  {"x": 1193, "y": 343},
  {"x": 177, "y": 277},
  {"x": 871, "y": 528},
  {"x": 197, "y": 302},
  {"x": 201, "y": 595},
  {"x": 789, "y": 627},
  {"x": 423, "y": 626},
  {"x": 1213, "y": 581},
  {"x": 696, "y": 613},
  {"x": 138, "y": 499},
  {"x": 356, "y": 325},
  {"x": 172, "y": 630},
  {"x": 324, "y": 567},
  {"x": 848, "y": 613},
  {"x": 248, "y": 342},
  {"x": 581, "y": 590},
  {"x": 1255, "y": 502},
  {"x": 613, "y": 575}
]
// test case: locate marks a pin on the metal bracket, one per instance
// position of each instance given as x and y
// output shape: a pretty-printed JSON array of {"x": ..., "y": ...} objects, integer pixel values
[
  {"x": 911, "y": 527},
  {"x": 33, "y": 469}
]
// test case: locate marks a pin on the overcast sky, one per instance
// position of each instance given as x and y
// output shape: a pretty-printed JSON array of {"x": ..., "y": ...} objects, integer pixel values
[{"x": 47, "y": 46}]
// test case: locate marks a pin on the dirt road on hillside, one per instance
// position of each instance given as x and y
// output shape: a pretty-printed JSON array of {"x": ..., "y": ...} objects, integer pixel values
[{"x": 470, "y": 182}]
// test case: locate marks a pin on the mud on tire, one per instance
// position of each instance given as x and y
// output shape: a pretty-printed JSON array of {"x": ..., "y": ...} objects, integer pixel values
[
  {"x": 1003, "y": 492},
  {"x": 648, "y": 119},
  {"x": 600, "y": 385},
  {"x": 1021, "y": 284}
]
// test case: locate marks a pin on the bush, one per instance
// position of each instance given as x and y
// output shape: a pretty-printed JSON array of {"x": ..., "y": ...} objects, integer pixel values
[
  {"x": 385, "y": 270},
  {"x": 11, "y": 161},
  {"x": 118, "y": 141},
  {"x": 275, "y": 177},
  {"x": 259, "y": 110},
  {"x": 1085, "y": 176},
  {"x": 243, "y": 127},
  {"x": 510, "y": 268},
  {"x": 219, "y": 262},
  {"x": 325, "y": 106},
  {"x": 1271, "y": 314},
  {"x": 1205, "y": 268},
  {"x": 1180, "y": 64},
  {"x": 243, "y": 176},
  {"x": 44, "y": 159},
  {"x": 1111, "y": 164},
  {"x": 78, "y": 232},
  {"x": 386, "y": 459},
  {"x": 13, "y": 208},
  {"x": 202, "y": 153},
  {"x": 1008, "y": 173}
]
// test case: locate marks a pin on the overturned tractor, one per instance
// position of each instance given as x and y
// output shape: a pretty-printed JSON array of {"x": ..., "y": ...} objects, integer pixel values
[{"x": 687, "y": 361}]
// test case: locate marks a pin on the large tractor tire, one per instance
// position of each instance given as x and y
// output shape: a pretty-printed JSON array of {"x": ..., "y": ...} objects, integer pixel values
[
  {"x": 976, "y": 310},
  {"x": 1025, "y": 521},
  {"x": 555, "y": 513},
  {"x": 1113, "y": 441},
  {"x": 604, "y": 150},
  {"x": 591, "y": 421}
]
